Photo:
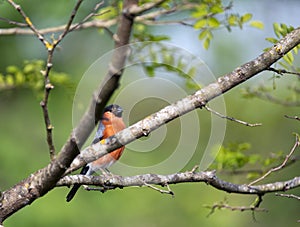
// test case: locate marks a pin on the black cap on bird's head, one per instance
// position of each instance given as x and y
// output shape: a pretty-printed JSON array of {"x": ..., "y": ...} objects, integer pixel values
[{"x": 115, "y": 109}]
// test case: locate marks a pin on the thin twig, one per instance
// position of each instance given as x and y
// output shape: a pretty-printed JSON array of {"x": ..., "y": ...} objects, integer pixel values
[
  {"x": 68, "y": 26},
  {"x": 195, "y": 168},
  {"x": 29, "y": 23},
  {"x": 224, "y": 205},
  {"x": 283, "y": 71},
  {"x": 160, "y": 190},
  {"x": 235, "y": 208},
  {"x": 78, "y": 26},
  {"x": 293, "y": 117},
  {"x": 90, "y": 15},
  {"x": 48, "y": 85},
  {"x": 96, "y": 23},
  {"x": 231, "y": 118},
  {"x": 45, "y": 73},
  {"x": 266, "y": 96},
  {"x": 282, "y": 165},
  {"x": 288, "y": 195},
  {"x": 19, "y": 24}
]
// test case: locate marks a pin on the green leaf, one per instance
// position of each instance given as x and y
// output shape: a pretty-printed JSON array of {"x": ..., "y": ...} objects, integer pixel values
[
  {"x": 295, "y": 50},
  {"x": 200, "y": 24},
  {"x": 180, "y": 65},
  {"x": 190, "y": 84},
  {"x": 192, "y": 72},
  {"x": 284, "y": 29},
  {"x": 247, "y": 17},
  {"x": 157, "y": 38},
  {"x": 150, "y": 70},
  {"x": 139, "y": 28},
  {"x": 257, "y": 24},
  {"x": 289, "y": 58},
  {"x": 12, "y": 69},
  {"x": 213, "y": 22},
  {"x": 168, "y": 59},
  {"x": 253, "y": 159},
  {"x": 232, "y": 20},
  {"x": 9, "y": 80},
  {"x": 216, "y": 9},
  {"x": 277, "y": 29},
  {"x": 201, "y": 10},
  {"x": 108, "y": 12},
  {"x": 285, "y": 66},
  {"x": 272, "y": 40},
  {"x": 20, "y": 78},
  {"x": 29, "y": 68},
  {"x": 206, "y": 43},
  {"x": 203, "y": 34}
]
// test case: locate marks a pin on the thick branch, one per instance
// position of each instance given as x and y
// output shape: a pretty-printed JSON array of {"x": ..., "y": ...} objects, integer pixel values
[{"x": 209, "y": 177}]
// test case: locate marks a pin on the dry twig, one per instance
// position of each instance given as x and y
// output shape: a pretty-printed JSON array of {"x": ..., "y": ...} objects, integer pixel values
[
  {"x": 288, "y": 195},
  {"x": 283, "y": 71},
  {"x": 231, "y": 118},
  {"x": 281, "y": 166},
  {"x": 293, "y": 117}
]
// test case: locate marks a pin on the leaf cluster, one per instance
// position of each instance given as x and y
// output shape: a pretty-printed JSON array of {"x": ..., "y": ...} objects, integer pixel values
[
  {"x": 29, "y": 75},
  {"x": 156, "y": 57},
  {"x": 280, "y": 31},
  {"x": 236, "y": 157},
  {"x": 212, "y": 14}
]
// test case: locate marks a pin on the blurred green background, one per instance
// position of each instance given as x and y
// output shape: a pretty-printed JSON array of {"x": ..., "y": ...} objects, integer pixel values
[{"x": 23, "y": 147}]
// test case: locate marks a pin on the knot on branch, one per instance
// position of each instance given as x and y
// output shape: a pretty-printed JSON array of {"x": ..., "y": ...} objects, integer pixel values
[
  {"x": 127, "y": 13},
  {"x": 210, "y": 175}
]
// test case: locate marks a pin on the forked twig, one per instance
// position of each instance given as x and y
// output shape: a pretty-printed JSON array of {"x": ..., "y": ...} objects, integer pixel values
[
  {"x": 283, "y": 71},
  {"x": 282, "y": 165},
  {"x": 224, "y": 205},
  {"x": 169, "y": 191}
]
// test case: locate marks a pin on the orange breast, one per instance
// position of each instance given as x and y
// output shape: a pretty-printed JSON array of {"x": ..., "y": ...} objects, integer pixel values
[{"x": 112, "y": 125}]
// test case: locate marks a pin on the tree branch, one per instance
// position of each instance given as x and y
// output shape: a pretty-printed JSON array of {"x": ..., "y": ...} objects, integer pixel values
[{"x": 208, "y": 177}]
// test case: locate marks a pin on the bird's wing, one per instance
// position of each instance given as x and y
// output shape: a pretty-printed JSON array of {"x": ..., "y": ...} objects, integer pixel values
[{"x": 99, "y": 133}]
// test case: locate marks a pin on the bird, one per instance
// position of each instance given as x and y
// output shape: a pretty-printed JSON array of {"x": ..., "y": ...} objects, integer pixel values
[{"x": 110, "y": 123}]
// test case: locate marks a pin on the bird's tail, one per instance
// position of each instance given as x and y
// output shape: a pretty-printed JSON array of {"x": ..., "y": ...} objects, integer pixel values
[
  {"x": 75, "y": 187},
  {"x": 72, "y": 192}
]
